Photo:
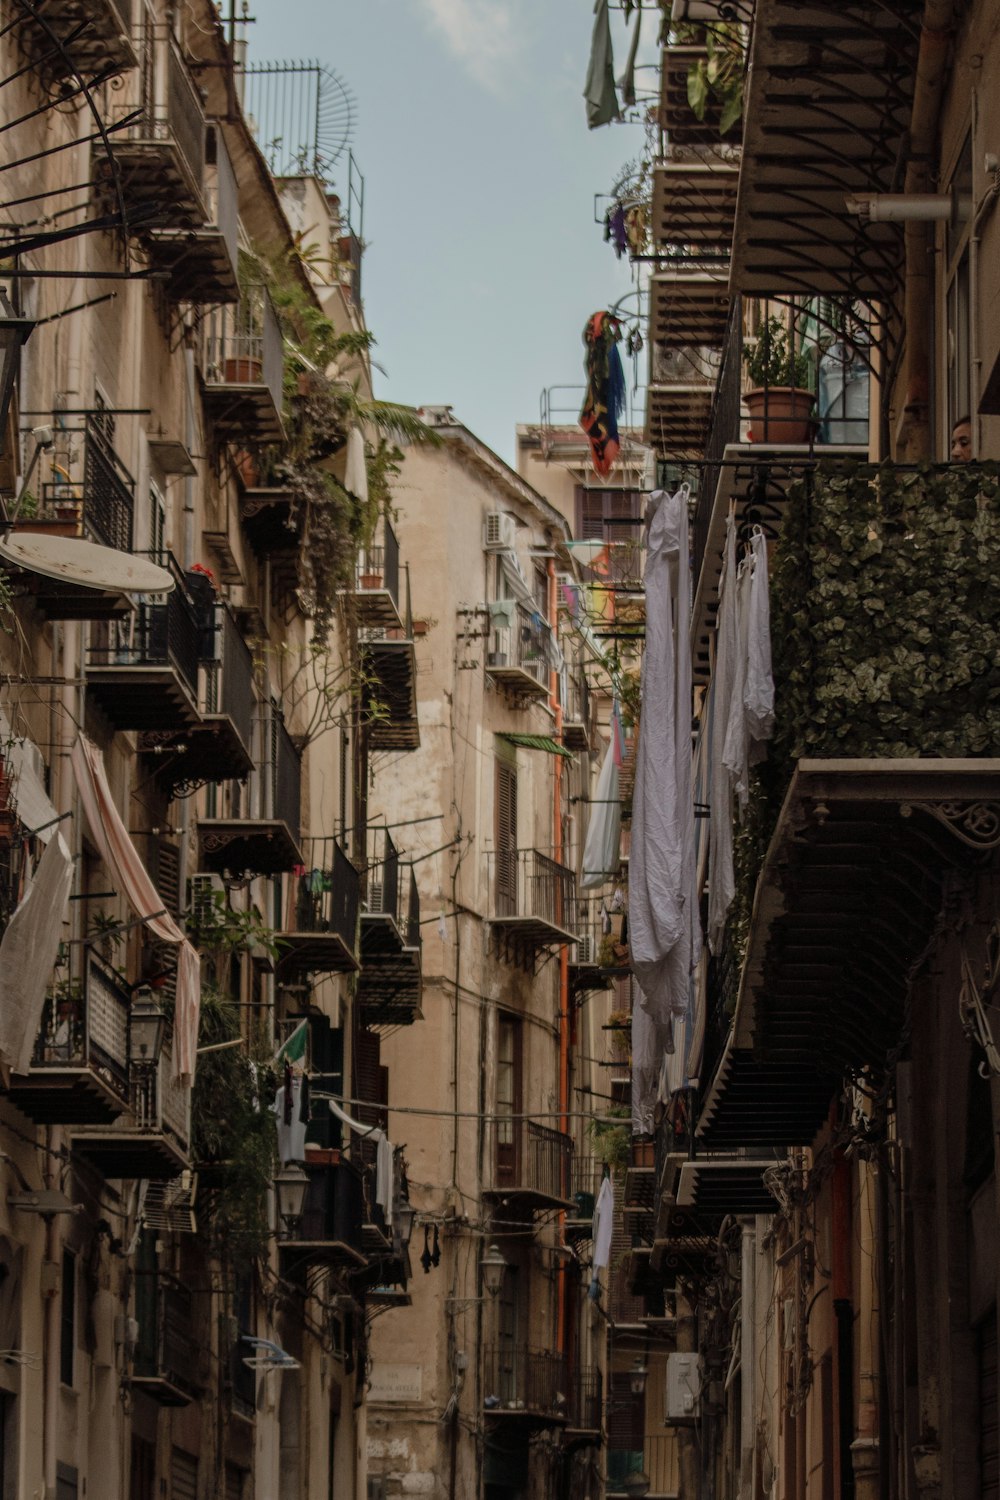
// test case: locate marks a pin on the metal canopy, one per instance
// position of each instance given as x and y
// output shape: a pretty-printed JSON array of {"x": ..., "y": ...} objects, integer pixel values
[
  {"x": 728, "y": 1185},
  {"x": 846, "y": 904},
  {"x": 677, "y": 414},
  {"x": 828, "y": 106},
  {"x": 689, "y": 306},
  {"x": 694, "y": 203}
]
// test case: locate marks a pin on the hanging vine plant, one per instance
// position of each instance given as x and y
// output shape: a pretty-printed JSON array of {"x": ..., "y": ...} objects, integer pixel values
[
  {"x": 324, "y": 401},
  {"x": 234, "y": 1140}
]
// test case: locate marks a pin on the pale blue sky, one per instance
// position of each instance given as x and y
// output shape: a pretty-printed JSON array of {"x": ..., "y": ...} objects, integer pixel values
[{"x": 484, "y": 262}]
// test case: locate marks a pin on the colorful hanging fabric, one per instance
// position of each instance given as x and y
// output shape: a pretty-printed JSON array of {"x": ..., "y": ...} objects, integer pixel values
[{"x": 604, "y": 401}]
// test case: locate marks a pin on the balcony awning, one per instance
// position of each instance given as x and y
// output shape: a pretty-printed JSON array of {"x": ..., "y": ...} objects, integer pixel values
[
  {"x": 847, "y": 901},
  {"x": 827, "y": 110},
  {"x": 537, "y": 742}
]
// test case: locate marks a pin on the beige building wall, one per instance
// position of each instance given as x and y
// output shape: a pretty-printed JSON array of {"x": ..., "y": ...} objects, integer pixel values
[{"x": 444, "y": 1068}]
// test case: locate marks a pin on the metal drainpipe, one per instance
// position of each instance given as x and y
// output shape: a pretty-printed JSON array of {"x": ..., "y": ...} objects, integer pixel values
[
  {"x": 53, "y": 1303},
  {"x": 918, "y": 286},
  {"x": 563, "y": 954}
]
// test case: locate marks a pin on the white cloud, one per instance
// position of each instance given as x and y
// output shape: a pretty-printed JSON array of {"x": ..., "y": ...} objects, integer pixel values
[{"x": 483, "y": 35}]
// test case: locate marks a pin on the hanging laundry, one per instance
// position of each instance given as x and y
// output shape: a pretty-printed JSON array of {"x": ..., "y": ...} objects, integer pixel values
[
  {"x": 604, "y": 1220},
  {"x": 627, "y": 81},
  {"x": 129, "y": 874},
  {"x": 599, "y": 89},
  {"x": 28, "y": 953},
  {"x": 758, "y": 692},
  {"x": 663, "y": 909},
  {"x": 616, "y": 230},
  {"x": 356, "y": 470},
  {"x": 721, "y": 880},
  {"x": 291, "y": 1122},
  {"x": 601, "y": 851},
  {"x": 751, "y": 707},
  {"x": 604, "y": 401}
]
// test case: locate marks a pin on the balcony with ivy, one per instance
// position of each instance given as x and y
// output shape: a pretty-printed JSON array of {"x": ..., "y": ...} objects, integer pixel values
[{"x": 881, "y": 781}]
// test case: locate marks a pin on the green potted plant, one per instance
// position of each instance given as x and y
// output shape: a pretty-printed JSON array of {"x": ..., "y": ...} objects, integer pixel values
[
  {"x": 715, "y": 76},
  {"x": 779, "y": 400}
]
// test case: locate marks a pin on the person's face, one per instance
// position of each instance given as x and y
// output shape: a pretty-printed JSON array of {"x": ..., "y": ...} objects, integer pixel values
[{"x": 961, "y": 443}]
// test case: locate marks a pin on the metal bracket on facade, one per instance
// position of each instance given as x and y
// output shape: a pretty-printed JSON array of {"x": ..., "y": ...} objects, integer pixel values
[{"x": 975, "y": 824}]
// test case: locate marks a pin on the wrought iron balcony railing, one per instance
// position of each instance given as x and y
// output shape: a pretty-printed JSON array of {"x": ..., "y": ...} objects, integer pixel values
[
  {"x": 242, "y": 367},
  {"x": 517, "y": 1378},
  {"x": 161, "y": 151},
  {"x": 64, "y": 39},
  {"x": 164, "y": 1368},
  {"x": 321, "y": 934},
  {"x": 533, "y": 895},
  {"x": 531, "y": 1162},
  {"x": 382, "y": 883},
  {"x": 330, "y": 1228},
  {"x": 79, "y": 1069},
  {"x": 516, "y": 650},
  {"x": 143, "y": 672},
  {"x": 377, "y": 579},
  {"x": 108, "y": 499}
]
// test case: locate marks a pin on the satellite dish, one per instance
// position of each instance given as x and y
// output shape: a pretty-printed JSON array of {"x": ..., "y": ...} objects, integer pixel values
[{"x": 75, "y": 561}]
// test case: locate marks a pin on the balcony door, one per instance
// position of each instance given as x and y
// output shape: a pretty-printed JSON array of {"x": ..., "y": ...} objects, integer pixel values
[
  {"x": 505, "y": 839},
  {"x": 508, "y": 1104}
]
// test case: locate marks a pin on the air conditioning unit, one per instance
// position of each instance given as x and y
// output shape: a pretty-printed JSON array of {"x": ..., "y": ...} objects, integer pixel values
[
  {"x": 586, "y": 951},
  {"x": 499, "y": 532},
  {"x": 683, "y": 1387},
  {"x": 205, "y": 885}
]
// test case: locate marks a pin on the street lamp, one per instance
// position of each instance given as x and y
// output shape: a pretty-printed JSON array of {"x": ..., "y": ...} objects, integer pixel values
[
  {"x": 291, "y": 1184},
  {"x": 14, "y": 334},
  {"x": 637, "y": 1380},
  {"x": 405, "y": 1215},
  {"x": 493, "y": 1266},
  {"x": 147, "y": 1024}
]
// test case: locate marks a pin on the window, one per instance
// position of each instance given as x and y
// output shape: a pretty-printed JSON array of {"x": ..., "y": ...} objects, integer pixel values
[
  {"x": 602, "y": 514},
  {"x": 508, "y": 1102},
  {"x": 143, "y": 1470},
  {"x": 157, "y": 523},
  {"x": 183, "y": 1475},
  {"x": 67, "y": 1329}
]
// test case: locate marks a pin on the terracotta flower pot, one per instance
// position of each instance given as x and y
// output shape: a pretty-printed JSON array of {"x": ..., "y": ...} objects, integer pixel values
[
  {"x": 780, "y": 414},
  {"x": 243, "y": 371},
  {"x": 371, "y": 580}
]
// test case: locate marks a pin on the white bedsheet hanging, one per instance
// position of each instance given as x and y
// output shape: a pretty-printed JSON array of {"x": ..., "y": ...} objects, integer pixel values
[
  {"x": 664, "y": 928},
  {"x": 721, "y": 882}
]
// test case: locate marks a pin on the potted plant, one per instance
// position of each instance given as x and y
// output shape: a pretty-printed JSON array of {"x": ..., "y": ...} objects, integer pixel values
[{"x": 779, "y": 401}]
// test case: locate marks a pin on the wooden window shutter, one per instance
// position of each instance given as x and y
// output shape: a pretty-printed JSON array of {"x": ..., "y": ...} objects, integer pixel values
[
  {"x": 505, "y": 831},
  {"x": 589, "y": 514}
]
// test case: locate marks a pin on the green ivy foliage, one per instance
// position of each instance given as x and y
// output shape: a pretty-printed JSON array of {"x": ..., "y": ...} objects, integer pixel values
[
  {"x": 885, "y": 610},
  {"x": 885, "y": 633},
  {"x": 234, "y": 1135}
]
